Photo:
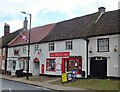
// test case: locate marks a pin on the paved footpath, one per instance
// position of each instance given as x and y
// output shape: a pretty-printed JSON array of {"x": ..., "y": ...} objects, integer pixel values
[{"x": 41, "y": 84}]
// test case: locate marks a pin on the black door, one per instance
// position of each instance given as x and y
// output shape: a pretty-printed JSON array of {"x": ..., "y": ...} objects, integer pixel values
[{"x": 98, "y": 67}]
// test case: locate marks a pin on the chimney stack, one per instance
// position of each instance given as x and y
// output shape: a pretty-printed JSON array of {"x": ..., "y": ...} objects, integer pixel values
[
  {"x": 6, "y": 29},
  {"x": 25, "y": 23},
  {"x": 101, "y": 9}
]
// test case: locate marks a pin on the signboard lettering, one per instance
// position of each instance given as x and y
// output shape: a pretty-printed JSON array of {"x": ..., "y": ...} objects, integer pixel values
[{"x": 60, "y": 54}]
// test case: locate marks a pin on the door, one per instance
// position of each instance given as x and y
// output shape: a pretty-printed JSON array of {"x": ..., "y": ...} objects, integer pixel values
[
  {"x": 98, "y": 67},
  {"x": 36, "y": 68},
  {"x": 70, "y": 64}
]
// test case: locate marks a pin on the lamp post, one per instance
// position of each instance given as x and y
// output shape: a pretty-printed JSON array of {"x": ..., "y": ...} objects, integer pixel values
[{"x": 28, "y": 44}]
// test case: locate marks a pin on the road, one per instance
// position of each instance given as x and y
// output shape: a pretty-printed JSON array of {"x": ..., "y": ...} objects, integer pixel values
[{"x": 12, "y": 86}]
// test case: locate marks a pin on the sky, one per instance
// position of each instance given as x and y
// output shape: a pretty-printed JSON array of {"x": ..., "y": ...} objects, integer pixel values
[{"x": 47, "y": 11}]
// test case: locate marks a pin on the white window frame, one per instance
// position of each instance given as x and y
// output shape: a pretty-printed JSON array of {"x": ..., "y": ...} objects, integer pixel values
[
  {"x": 103, "y": 45},
  {"x": 16, "y": 48},
  {"x": 69, "y": 45},
  {"x": 24, "y": 49},
  {"x": 36, "y": 48},
  {"x": 51, "y": 46},
  {"x": 50, "y": 64}
]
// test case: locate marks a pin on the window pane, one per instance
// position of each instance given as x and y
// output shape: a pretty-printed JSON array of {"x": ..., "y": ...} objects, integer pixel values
[
  {"x": 69, "y": 45},
  {"x": 50, "y": 65},
  {"x": 51, "y": 46},
  {"x": 103, "y": 44}
]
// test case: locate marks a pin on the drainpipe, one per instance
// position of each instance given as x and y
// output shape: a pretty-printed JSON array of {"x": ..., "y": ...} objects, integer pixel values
[
  {"x": 6, "y": 55},
  {"x": 87, "y": 43}
]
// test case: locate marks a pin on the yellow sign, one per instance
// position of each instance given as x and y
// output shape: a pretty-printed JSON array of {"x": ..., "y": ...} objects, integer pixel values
[{"x": 64, "y": 77}]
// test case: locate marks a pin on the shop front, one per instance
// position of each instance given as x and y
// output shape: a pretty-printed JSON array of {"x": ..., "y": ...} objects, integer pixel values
[
  {"x": 62, "y": 61},
  {"x": 72, "y": 64}
]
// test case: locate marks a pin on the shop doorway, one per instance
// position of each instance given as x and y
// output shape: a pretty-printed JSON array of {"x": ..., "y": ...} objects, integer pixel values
[
  {"x": 36, "y": 69},
  {"x": 70, "y": 64},
  {"x": 98, "y": 67}
]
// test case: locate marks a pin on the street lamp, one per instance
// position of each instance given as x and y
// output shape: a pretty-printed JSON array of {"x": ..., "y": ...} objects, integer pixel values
[{"x": 28, "y": 44}]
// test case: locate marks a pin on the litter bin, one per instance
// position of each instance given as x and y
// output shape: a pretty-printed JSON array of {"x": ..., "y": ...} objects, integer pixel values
[
  {"x": 83, "y": 73},
  {"x": 13, "y": 72},
  {"x": 19, "y": 73}
]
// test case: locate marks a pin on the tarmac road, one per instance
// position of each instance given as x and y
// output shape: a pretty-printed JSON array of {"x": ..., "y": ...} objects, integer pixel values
[{"x": 12, "y": 86}]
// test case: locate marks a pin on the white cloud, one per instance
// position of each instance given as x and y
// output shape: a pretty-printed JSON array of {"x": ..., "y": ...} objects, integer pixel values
[{"x": 10, "y": 9}]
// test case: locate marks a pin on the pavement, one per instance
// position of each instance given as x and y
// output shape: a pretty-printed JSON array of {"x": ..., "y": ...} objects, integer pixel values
[{"x": 45, "y": 84}]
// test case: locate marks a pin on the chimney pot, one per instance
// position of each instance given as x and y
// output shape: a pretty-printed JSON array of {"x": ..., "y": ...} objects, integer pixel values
[
  {"x": 101, "y": 9},
  {"x": 6, "y": 29},
  {"x": 25, "y": 23}
]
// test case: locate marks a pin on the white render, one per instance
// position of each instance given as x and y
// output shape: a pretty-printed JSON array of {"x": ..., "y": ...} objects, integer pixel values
[
  {"x": 12, "y": 57},
  {"x": 79, "y": 49},
  {"x": 112, "y": 56}
]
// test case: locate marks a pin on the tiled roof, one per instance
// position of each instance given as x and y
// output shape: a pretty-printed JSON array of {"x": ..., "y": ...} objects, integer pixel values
[
  {"x": 6, "y": 39},
  {"x": 73, "y": 28},
  {"x": 107, "y": 24},
  {"x": 85, "y": 26},
  {"x": 37, "y": 34}
]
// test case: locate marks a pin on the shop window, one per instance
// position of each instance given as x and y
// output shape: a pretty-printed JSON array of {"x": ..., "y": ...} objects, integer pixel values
[
  {"x": 10, "y": 64},
  {"x": 69, "y": 45},
  {"x": 50, "y": 65},
  {"x": 103, "y": 45},
  {"x": 51, "y": 47},
  {"x": 74, "y": 64},
  {"x": 21, "y": 64}
]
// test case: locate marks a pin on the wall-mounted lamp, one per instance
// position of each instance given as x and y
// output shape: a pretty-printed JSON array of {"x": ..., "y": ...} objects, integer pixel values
[
  {"x": 115, "y": 48},
  {"x": 90, "y": 51}
]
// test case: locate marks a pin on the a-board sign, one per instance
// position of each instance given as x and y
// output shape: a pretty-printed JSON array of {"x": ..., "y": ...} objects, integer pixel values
[{"x": 64, "y": 77}]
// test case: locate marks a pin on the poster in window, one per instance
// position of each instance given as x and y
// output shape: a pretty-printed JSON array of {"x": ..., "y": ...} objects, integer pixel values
[
  {"x": 58, "y": 66},
  {"x": 69, "y": 76}
]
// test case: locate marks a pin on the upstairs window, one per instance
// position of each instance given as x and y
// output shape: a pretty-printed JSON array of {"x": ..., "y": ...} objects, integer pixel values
[
  {"x": 24, "y": 49},
  {"x": 36, "y": 47},
  {"x": 69, "y": 45},
  {"x": 16, "y": 50},
  {"x": 51, "y": 47},
  {"x": 103, "y": 45}
]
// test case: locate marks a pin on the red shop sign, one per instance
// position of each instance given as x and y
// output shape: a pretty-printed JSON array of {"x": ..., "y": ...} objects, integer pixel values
[{"x": 59, "y": 54}]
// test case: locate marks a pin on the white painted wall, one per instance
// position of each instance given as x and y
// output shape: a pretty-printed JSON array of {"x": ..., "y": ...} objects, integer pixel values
[
  {"x": 112, "y": 56},
  {"x": 12, "y": 57},
  {"x": 79, "y": 49}
]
